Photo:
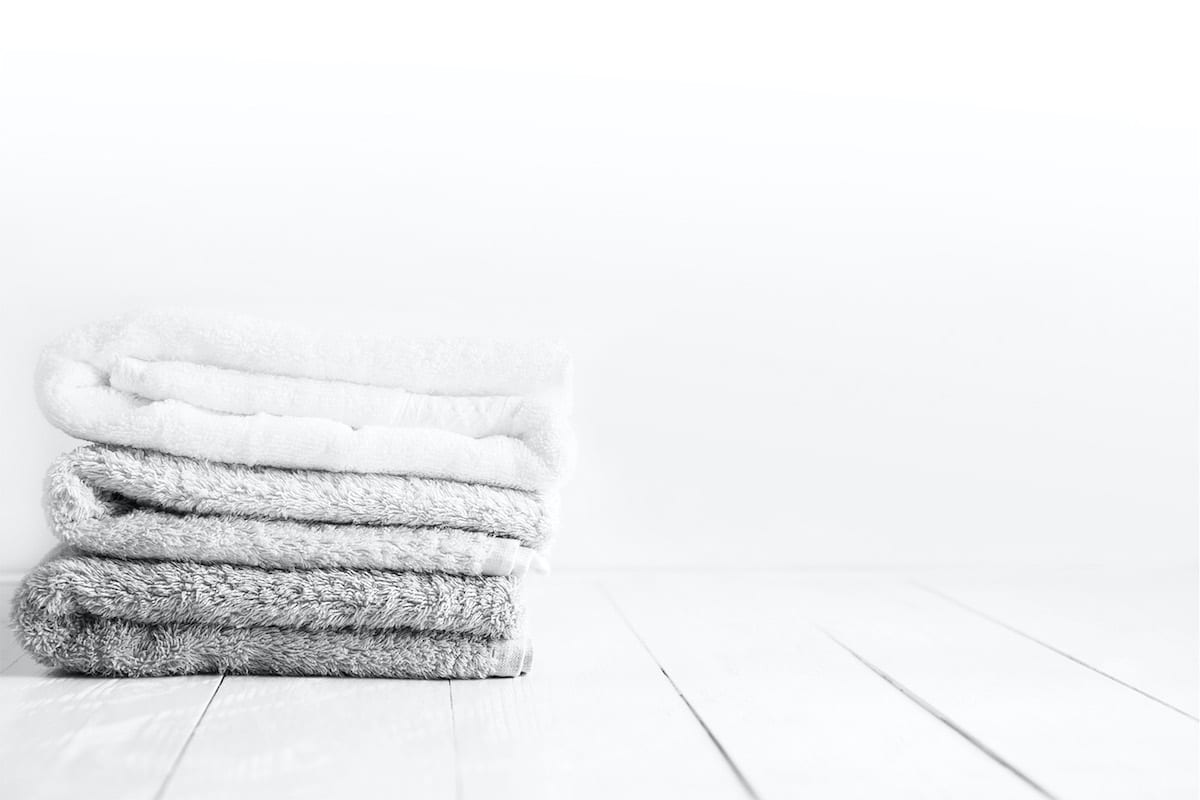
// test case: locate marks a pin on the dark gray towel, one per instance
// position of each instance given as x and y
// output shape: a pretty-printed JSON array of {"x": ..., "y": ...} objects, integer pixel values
[{"x": 106, "y": 616}]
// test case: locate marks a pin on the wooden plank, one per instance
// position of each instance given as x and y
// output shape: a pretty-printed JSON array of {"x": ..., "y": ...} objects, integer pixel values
[
  {"x": 838, "y": 686},
  {"x": 798, "y": 715},
  {"x": 68, "y": 737},
  {"x": 266, "y": 737},
  {"x": 1142, "y": 628},
  {"x": 595, "y": 718},
  {"x": 1073, "y": 731}
]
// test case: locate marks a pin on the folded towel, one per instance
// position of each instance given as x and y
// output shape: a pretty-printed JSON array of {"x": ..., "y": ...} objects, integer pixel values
[
  {"x": 69, "y": 583},
  {"x": 144, "y": 504},
  {"x": 76, "y": 641},
  {"x": 249, "y": 391}
]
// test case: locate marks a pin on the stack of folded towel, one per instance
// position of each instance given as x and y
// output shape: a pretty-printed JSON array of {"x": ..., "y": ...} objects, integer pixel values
[{"x": 260, "y": 498}]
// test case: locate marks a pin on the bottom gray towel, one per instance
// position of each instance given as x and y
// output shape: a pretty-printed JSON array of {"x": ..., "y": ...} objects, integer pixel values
[
  {"x": 94, "y": 645},
  {"x": 103, "y": 616}
]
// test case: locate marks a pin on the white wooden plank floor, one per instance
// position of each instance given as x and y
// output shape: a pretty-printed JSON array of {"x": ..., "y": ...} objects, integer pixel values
[{"x": 974, "y": 684}]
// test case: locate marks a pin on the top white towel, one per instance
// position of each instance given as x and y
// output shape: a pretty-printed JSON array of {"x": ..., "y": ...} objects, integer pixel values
[{"x": 250, "y": 391}]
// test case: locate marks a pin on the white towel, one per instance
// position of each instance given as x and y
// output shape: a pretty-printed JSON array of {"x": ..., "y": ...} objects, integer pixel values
[{"x": 249, "y": 391}]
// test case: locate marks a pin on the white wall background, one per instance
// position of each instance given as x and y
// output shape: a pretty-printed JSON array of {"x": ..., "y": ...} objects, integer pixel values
[{"x": 847, "y": 283}]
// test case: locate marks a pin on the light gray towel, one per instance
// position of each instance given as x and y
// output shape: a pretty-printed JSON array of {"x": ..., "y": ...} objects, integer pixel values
[
  {"x": 106, "y": 616},
  {"x": 144, "y": 504}
]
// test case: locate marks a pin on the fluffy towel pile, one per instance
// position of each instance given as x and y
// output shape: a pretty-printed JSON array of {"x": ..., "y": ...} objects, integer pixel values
[{"x": 263, "y": 499}]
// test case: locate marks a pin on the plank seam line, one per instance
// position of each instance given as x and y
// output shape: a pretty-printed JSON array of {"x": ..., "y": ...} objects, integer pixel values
[
  {"x": 162, "y": 790},
  {"x": 688, "y": 703},
  {"x": 942, "y": 718},
  {"x": 1051, "y": 648},
  {"x": 458, "y": 784}
]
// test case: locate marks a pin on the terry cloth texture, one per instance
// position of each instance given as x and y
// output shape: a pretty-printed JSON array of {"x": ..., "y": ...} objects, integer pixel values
[
  {"x": 249, "y": 391},
  {"x": 142, "y": 504},
  {"x": 62, "y": 636},
  {"x": 163, "y": 592},
  {"x": 118, "y": 648},
  {"x": 104, "y": 616}
]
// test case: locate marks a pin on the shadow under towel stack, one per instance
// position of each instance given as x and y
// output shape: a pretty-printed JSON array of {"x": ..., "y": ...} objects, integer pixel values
[{"x": 259, "y": 498}]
